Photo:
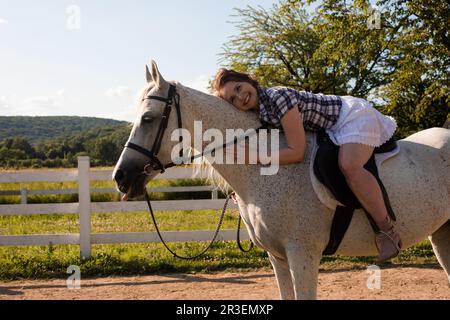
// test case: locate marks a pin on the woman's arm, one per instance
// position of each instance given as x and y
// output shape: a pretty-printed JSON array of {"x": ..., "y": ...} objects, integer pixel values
[{"x": 294, "y": 132}]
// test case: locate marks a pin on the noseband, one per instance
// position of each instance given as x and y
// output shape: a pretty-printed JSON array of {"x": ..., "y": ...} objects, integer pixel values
[{"x": 152, "y": 154}]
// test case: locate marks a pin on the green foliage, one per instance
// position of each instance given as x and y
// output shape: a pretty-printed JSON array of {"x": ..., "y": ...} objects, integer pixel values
[
  {"x": 401, "y": 65},
  {"x": 35, "y": 129},
  {"x": 102, "y": 144}
]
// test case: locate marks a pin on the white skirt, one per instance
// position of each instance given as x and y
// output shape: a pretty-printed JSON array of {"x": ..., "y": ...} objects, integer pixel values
[{"x": 360, "y": 122}]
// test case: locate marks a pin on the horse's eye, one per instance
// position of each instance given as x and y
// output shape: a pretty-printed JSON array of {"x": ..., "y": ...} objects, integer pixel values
[{"x": 147, "y": 118}]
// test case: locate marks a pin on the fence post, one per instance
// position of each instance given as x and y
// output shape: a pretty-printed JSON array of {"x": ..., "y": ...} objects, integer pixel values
[
  {"x": 84, "y": 205},
  {"x": 23, "y": 196},
  {"x": 214, "y": 194}
]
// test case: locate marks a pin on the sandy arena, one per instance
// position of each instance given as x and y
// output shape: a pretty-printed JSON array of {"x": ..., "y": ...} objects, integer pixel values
[{"x": 396, "y": 283}]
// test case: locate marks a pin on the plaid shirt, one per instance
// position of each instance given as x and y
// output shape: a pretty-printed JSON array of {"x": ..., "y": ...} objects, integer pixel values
[{"x": 318, "y": 111}]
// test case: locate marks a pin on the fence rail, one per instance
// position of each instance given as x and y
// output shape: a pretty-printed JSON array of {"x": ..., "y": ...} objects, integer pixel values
[
  {"x": 25, "y": 192},
  {"x": 84, "y": 208}
]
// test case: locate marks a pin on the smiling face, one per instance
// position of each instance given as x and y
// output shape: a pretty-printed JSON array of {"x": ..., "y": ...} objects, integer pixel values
[{"x": 240, "y": 94}]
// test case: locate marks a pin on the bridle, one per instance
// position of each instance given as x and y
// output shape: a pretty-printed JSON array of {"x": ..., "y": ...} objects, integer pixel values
[
  {"x": 152, "y": 154},
  {"x": 156, "y": 164}
]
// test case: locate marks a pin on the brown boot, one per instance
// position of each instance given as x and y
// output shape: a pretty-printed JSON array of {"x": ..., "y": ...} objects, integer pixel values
[{"x": 388, "y": 241}]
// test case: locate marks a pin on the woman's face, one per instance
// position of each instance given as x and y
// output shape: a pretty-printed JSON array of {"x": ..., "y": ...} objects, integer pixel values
[{"x": 240, "y": 94}]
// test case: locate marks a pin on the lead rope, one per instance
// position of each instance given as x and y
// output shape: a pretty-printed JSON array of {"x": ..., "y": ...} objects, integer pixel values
[
  {"x": 238, "y": 236},
  {"x": 219, "y": 224}
]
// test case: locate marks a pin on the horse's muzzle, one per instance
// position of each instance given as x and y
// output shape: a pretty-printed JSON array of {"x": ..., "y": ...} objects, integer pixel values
[
  {"x": 131, "y": 182},
  {"x": 118, "y": 177}
]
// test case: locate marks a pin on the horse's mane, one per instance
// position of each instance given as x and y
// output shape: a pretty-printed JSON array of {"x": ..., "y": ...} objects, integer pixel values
[
  {"x": 203, "y": 167},
  {"x": 212, "y": 176}
]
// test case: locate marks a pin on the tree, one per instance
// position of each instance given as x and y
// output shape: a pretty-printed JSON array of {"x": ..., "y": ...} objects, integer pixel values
[
  {"x": 401, "y": 65},
  {"x": 19, "y": 143},
  {"x": 418, "y": 93},
  {"x": 104, "y": 151},
  {"x": 278, "y": 47}
]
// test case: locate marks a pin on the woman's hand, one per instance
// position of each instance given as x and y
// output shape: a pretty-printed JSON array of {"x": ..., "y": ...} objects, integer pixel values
[{"x": 235, "y": 197}]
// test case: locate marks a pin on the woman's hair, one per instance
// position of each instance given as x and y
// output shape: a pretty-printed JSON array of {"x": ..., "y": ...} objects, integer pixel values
[{"x": 225, "y": 75}]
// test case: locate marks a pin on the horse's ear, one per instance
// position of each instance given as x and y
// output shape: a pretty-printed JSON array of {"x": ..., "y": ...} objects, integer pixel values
[
  {"x": 148, "y": 76},
  {"x": 156, "y": 75}
]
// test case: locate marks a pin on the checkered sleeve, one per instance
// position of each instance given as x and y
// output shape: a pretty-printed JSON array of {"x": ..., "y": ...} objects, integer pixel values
[
  {"x": 319, "y": 111},
  {"x": 283, "y": 100}
]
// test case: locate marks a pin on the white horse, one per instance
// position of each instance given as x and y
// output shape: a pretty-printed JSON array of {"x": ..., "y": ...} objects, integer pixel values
[{"x": 282, "y": 212}]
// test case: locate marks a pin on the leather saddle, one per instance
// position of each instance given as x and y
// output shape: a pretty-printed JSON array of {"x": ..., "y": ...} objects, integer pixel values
[{"x": 327, "y": 171}]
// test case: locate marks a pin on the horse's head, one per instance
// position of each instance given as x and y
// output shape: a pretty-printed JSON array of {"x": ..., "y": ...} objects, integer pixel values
[{"x": 149, "y": 146}]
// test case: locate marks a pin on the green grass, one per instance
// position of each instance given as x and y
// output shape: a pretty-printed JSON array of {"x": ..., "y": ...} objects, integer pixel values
[
  {"x": 117, "y": 222},
  {"x": 132, "y": 259},
  {"x": 138, "y": 259},
  {"x": 124, "y": 259},
  {"x": 421, "y": 254},
  {"x": 120, "y": 259}
]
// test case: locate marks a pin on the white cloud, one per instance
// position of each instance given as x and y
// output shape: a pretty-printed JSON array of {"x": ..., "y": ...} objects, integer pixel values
[
  {"x": 128, "y": 114},
  {"x": 5, "y": 105},
  {"x": 41, "y": 105},
  {"x": 124, "y": 105},
  {"x": 200, "y": 83},
  {"x": 119, "y": 92},
  {"x": 3, "y": 21},
  {"x": 44, "y": 105}
]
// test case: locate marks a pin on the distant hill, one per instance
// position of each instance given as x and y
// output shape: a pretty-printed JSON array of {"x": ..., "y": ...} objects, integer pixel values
[{"x": 36, "y": 129}]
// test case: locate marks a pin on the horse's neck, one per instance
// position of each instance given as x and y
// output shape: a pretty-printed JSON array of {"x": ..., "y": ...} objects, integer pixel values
[
  {"x": 213, "y": 112},
  {"x": 216, "y": 113}
]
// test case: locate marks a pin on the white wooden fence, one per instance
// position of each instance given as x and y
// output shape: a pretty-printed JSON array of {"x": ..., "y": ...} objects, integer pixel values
[
  {"x": 84, "y": 208},
  {"x": 25, "y": 192}
]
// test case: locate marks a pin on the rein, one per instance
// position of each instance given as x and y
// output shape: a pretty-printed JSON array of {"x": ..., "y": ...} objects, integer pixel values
[
  {"x": 156, "y": 164},
  {"x": 219, "y": 224}
]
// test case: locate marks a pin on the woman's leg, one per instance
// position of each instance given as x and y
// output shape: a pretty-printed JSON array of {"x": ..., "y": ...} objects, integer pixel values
[{"x": 352, "y": 158}]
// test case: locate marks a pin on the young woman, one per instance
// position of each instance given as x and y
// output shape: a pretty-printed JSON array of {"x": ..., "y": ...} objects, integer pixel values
[{"x": 352, "y": 123}]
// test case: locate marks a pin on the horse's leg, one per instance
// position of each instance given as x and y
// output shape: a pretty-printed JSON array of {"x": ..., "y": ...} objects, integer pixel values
[
  {"x": 283, "y": 276},
  {"x": 441, "y": 246},
  {"x": 304, "y": 267}
]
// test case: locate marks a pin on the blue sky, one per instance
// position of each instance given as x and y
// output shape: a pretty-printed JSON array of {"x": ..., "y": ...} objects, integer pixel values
[{"x": 87, "y": 58}]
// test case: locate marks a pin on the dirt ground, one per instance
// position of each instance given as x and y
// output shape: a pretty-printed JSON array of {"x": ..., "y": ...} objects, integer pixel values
[{"x": 396, "y": 283}]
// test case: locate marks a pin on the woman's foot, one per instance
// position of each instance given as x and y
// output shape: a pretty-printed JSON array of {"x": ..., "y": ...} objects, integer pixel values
[{"x": 388, "y": 241}]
